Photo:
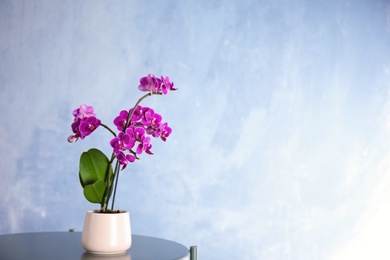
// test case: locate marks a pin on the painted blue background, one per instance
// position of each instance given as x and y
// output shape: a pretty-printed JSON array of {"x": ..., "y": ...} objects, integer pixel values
[{"x": 281, "y": 124}]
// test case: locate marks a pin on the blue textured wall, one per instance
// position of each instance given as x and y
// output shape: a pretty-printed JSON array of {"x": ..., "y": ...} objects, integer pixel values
[{"x": 281, "y": 124}]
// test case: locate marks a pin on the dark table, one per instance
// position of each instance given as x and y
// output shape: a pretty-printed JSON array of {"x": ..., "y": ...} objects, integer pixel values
[{"x": 67, "y": 245}]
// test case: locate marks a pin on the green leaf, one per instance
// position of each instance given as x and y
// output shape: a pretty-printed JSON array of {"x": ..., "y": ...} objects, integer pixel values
[
  {"x": 93, "y": 167},
  {"x": 94, "y": 192}
]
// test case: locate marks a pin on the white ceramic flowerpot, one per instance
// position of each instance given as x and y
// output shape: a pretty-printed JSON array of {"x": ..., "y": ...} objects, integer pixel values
[{"x": 106, "y": 233}]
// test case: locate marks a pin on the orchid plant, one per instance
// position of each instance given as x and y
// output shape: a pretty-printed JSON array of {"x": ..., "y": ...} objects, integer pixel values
[{"x": 135, "y": 126}]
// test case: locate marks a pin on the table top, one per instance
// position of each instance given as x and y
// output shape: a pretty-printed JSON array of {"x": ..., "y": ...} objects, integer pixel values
[{"x": 67, "y": 245}]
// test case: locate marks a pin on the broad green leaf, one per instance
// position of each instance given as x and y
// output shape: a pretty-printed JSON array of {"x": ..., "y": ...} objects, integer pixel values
[
  {"x": 93, "y": 166},
  {"x": 94, "y": 192}
]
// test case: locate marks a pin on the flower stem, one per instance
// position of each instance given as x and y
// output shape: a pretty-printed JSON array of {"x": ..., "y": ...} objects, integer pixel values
[
  {"x": 130, "y": 115},
  {"x": 109, "y": 129},
  {"x": 107, "y": 193},
  {"x": 116, "y": 177},
  {"x": 112, "y": 187}
]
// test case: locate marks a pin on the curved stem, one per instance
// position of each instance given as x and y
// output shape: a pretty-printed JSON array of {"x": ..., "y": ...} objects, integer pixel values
[
  {"x": 130, "y": 115},
  {"x": 109, "y": 129},
  {"x": 112, "y": 187}
]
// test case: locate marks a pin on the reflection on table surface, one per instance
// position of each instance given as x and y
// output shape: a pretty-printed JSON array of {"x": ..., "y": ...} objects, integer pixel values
[{"x": 67, "y": 246}]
